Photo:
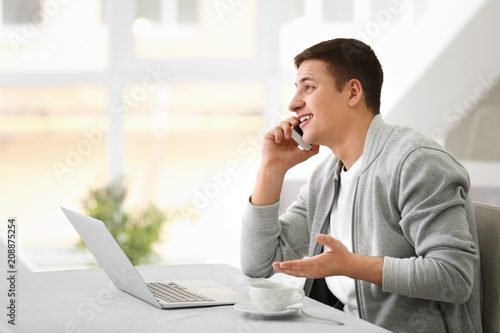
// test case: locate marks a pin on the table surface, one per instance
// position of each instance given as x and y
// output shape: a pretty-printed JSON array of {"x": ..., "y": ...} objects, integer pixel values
[{"x": 86, "y": 301}]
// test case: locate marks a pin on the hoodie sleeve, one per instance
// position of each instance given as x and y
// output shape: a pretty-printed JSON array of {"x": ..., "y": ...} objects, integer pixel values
[
  {"x": 433, "y": 198},
  {"x": 266, "y": 237}
]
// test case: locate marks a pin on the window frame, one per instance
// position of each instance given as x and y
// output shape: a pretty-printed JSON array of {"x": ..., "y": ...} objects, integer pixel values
[{"x": 124, "y": 68}]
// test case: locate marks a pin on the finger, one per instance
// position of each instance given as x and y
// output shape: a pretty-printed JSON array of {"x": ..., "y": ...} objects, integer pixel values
[
  {"x": 297, "y": 268},
  {"x": 286, "y": 126},
  {"x": 292, "y": 121},
  {"x": 326, "y": 240},
  {"x": 299, "y": 274},
  {"x": 277, "y": 134},
  {"x": 293, "y": 272},
  {"x": 303, "y": 265},
  {"x": 291, "y": 265}
]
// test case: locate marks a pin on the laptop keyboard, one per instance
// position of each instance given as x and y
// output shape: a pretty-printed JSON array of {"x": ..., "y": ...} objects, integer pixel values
[{"x": 175, "y": 293}]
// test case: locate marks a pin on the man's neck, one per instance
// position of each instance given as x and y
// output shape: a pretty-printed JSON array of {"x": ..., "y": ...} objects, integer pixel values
[{"x": 352, "y": 146}]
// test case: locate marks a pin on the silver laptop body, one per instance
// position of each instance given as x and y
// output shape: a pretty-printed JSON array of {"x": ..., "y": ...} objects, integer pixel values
[{"x": 125, "y": 276}]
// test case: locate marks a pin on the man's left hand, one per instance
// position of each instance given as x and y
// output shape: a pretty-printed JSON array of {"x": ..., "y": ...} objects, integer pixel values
[{"x": 335, "y": 260}]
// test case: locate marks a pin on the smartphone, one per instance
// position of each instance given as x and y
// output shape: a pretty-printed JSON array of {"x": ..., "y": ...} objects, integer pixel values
[{"x": 297, "y": 137}]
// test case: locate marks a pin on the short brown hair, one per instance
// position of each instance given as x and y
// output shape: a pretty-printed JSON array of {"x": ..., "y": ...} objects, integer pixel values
[{"x": 349, "y": 59}]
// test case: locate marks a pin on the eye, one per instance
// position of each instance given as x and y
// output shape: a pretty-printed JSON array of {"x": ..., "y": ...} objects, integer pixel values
[{"x": 309, "y": 87}]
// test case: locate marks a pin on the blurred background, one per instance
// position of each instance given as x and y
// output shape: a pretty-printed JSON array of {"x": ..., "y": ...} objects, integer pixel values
[{"x": 171, "y": 98}]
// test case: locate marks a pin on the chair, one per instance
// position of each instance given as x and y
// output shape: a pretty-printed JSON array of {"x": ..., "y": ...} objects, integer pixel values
[
  {"x": 289, "y": 191},
  {"x": 488, "y": 227}
]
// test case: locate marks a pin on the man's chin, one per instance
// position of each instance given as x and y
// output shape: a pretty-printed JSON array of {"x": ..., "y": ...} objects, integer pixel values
[{"x": 307, "y": 139}]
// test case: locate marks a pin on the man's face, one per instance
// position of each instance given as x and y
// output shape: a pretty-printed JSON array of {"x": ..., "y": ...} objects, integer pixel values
[{"x": 319, "y": 105}]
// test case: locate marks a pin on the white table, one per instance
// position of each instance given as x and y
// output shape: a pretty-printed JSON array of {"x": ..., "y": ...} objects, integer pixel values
[{"x": 86, "y": 301}]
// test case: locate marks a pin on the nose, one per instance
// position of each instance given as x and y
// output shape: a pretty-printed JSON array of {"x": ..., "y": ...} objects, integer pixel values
[{"x": 296, "y": 103}]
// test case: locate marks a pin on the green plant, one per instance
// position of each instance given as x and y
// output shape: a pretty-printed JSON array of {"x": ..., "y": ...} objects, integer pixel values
[{"x": 136, "y": 232}]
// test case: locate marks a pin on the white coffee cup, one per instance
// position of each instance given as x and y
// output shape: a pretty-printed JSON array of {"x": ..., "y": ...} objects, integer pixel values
[{"x": 271, "y": 297}]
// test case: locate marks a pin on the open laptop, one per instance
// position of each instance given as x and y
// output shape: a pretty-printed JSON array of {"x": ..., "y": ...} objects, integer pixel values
[{"x": 162, "y": 294}]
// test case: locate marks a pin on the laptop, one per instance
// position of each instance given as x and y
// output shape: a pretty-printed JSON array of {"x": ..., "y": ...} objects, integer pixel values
[{"x": 162, "y": 294}]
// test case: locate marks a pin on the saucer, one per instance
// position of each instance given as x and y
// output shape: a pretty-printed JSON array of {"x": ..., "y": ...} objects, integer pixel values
[{"x": 249, "y": 308}]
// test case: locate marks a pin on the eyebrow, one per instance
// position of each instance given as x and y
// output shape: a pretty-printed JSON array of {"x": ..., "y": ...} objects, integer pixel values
[{"x": 305, "y": 78}]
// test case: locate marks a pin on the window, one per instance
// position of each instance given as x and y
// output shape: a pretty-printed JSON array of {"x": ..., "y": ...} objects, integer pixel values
[
  {"x": 195, "y": 29},
  {"x": 53, "y": 36},
  {"x": 149, "y": 10},
  {"x": 169, "y": 12},
  {"x": 188, "y": 12},
  {"x": 53, "y": 148},
  {"x": 62, "y": 135},
  {"x": 212, "y": 127},
  {"x": 16, "y": 12}
]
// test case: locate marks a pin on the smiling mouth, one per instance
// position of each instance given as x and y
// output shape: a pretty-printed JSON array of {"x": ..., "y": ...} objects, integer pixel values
[{"x": 304, "y": 118}]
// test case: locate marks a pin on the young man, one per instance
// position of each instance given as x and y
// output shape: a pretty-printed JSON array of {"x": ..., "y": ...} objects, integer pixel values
[{"x": 385, "y": 222}]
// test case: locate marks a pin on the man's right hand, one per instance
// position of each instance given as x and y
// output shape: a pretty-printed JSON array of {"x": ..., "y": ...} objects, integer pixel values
[{"x": 279, "y": 153}]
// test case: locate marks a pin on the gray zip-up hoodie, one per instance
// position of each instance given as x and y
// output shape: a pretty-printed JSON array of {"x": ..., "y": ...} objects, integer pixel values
[{"x": 412, "y": 208}]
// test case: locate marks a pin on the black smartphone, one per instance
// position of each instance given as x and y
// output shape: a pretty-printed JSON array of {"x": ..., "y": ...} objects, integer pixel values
[{"x": 297, "y": 137}]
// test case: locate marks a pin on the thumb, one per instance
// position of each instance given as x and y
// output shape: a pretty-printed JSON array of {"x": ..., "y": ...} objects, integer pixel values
[{"x": 326, "y": 240}]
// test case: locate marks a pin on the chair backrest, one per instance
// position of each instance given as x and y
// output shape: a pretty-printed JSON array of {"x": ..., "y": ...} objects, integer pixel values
[
  {"x": 290, "y": 191},
  {"x": 488, "y": 227}
]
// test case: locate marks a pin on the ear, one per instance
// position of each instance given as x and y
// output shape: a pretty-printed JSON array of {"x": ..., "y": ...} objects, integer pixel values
[{"x": 355, "y": 92}]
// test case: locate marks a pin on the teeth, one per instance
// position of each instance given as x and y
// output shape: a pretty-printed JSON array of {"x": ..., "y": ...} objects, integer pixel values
[{"x": 305, "y": 118}]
